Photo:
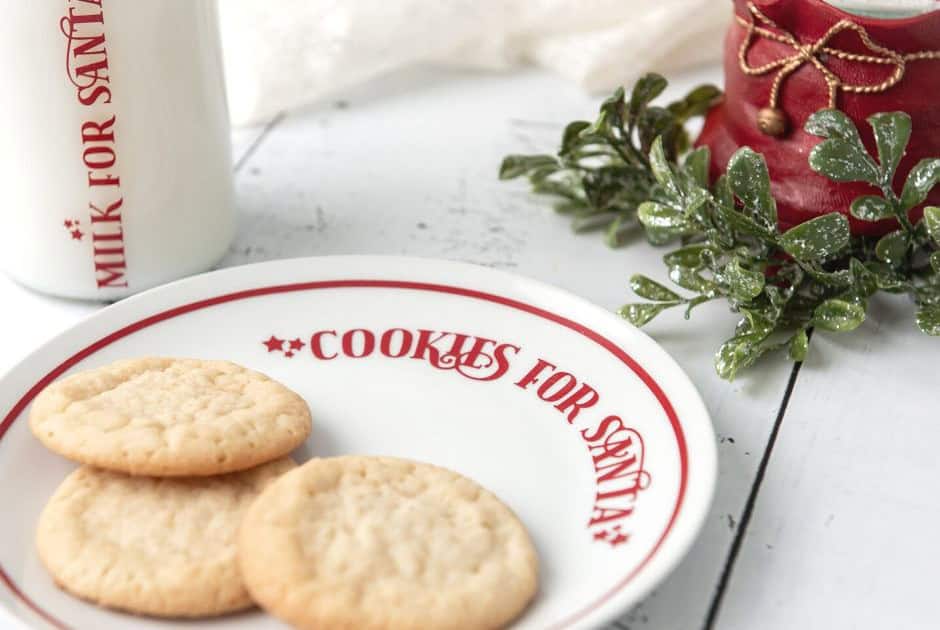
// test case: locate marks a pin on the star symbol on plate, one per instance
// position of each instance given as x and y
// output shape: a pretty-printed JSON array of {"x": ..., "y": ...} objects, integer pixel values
[
  {"x": 296, "y": 344},
  {"x": 288, "y": 354},
  {"x": 274, "y": 344},
  {"x": 67, "y": 223},
  {"x": 618, "y": 539},
  {"x": 77, "y": 234}
]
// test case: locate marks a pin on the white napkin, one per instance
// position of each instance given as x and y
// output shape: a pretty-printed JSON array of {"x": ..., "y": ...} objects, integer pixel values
[{"x": 280, "y": 55}]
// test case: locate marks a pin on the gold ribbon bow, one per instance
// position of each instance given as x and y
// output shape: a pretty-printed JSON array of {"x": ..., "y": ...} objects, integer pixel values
[{"x": 771, "y": 120}]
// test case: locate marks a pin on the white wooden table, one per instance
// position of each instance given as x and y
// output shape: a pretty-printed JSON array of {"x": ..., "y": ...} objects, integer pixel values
[{"x": 824, "y": 516}]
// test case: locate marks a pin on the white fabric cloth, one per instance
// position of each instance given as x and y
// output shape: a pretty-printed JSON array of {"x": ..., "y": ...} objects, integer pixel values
[{"x": 283, "y": 54}]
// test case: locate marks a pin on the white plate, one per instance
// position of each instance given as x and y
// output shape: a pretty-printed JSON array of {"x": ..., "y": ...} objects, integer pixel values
[{"x": 608, "y": 522}]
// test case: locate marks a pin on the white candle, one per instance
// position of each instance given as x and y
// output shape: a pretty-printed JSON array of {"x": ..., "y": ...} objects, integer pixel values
[{"x": 887, "y": 8}]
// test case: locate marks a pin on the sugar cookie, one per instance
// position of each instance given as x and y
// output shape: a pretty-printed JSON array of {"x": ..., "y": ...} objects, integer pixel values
[
  {"x": 373, "y": 542},
  {"x": 170, "y": 417},
  {"x": 162, "y": 547}
]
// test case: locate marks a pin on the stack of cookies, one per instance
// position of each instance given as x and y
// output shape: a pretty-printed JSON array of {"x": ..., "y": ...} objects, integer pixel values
[
  {"x": 174, "y": 451},
  {"x": 187, "y": 506}
]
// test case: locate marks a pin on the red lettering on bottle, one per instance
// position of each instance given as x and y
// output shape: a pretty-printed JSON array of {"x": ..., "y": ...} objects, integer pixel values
[
  {"x": 98, "y": 131},
  {"x": 105, "y": 180},
  {"x": 85, "y": 18},
  {"x": 88, "y": 71},
  {"x": 108, "y": 274},
  {"x": 88, "y": 47},
  {"x": 96, "y": 236},
  {"x": 95, "y": 71},
  {"x": 99, "y": 162},
  {"x": 105, "y": 251},
  {"x": 86, "y": 97},
  {"x": 97, "y": 214}
]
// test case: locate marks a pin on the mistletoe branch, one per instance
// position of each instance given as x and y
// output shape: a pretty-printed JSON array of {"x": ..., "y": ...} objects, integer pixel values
[{"x": 633, "y": 168}]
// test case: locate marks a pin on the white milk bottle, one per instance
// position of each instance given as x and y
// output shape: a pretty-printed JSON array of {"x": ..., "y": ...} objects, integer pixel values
[{"x": 115, "y": 165}]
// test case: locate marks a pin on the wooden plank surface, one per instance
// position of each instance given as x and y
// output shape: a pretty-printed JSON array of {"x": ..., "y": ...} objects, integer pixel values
[{"x": 844, "y": 533}]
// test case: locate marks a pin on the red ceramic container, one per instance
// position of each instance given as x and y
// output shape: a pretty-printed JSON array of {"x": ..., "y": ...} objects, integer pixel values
[{"x": 802, "y": 194}]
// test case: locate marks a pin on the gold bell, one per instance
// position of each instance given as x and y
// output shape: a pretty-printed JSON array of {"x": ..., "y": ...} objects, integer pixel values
[{"x": 772, "y": 121}]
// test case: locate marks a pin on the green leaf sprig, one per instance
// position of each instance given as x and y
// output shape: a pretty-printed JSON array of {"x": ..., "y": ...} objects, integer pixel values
[{"x": 633, "y": 167}]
